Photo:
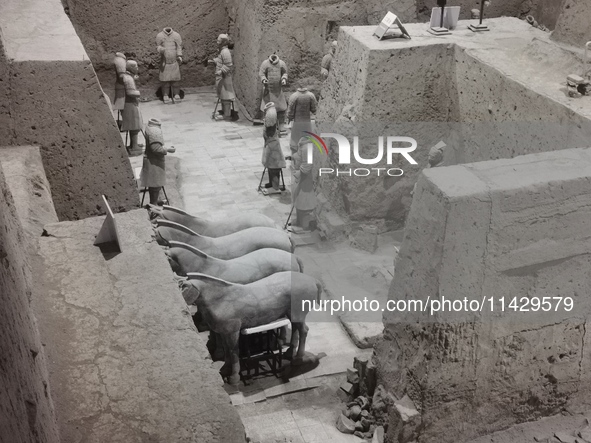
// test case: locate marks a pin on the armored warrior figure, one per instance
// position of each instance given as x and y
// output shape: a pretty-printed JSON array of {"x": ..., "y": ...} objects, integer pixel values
[
  {"x": 171, "y": 52},
  {"x": 302, "y": 104},
  {"x": 273, "y": 75},
  {"x": 327, "y": 61},
  {"x": 153, "y": 174},
  {"x": 119, "y": 61},
  {"x": 302, "y": 179},
  {"x": 272, "y": 158},
  {"x": 131, "y": 116},
  {"x": 224, "y": 73}
]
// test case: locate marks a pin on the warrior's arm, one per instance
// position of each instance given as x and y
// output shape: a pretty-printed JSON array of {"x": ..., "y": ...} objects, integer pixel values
[
  {"x": 226, "y": 58},
  {"x": 158, "y": 148},
  {"x": 130, "y": 88},
  {"x": 291, "y": 108},
  {"x": 283, "y": 71},
  {"x": 263, "y": 72},
  {"x": 179, "y": 45},
  {"x": 313, "y": 103}
]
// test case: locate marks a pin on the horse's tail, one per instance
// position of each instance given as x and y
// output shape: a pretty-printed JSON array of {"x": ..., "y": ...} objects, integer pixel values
[
  {"x": 300, "y": 263},
  {"x": 160, "y": 239},
  {"x": 319, "y": 288}
]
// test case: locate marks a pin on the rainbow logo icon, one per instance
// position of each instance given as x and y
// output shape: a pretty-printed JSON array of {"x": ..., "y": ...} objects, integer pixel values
[{"x": 318, "y": 142}]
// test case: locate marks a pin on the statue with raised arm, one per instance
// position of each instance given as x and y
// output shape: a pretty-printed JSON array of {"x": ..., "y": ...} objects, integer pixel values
[
  {"x": 170, "y": 48},
  {"x": 131, "y": 117},
  {"x": 273, "y": 76}
]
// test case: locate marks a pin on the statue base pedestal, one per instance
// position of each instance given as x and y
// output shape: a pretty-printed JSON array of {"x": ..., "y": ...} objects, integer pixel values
[
  {"x": 439, "y": 31},
  {"x": 478, "y": 28},
  {"x": 134, "y": 152},
  {"x": 270, "y": 191}
]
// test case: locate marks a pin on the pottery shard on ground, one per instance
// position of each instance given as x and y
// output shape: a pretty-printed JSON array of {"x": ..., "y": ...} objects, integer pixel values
[
  {"x": 345, "y": 425},
  {"x": 378, "y": 435},
  {"x": 406, "y": 408}
]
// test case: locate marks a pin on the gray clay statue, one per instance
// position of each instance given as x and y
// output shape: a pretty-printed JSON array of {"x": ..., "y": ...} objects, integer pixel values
[
  {"x": 302, "y": 179},
  {"x": 185, "y": 259},
  {"x": 120, "y": 62},
  {"x": 224, "y": 73},
  {"x": 227, "y": 247},
  {"x": 327, "y": 60},
  {"x": 131, "y": 117},
  {"x": 302, "y": 104},
  {"x": 153, "y": 174},
  {"x": 170, "y": 48},
  {"x": 273, "y": 76},
  {"x": 213, "y": 228},
  {"x": 227, "y": 308},
  {"x": 273, "y": 158}
]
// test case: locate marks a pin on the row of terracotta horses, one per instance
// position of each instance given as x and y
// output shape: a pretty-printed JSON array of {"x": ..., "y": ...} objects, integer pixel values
[{"x": 242, "y": 273}]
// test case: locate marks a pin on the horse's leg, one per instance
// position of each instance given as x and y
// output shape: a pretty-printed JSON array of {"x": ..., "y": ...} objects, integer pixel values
[
  {"x": 232, "y": 358},
  {"x": 219, "y": 352},
  {"x": 293, "y": 343},
  {"x": 302, "y": 330},
  {"x": 226, "y": 369}
]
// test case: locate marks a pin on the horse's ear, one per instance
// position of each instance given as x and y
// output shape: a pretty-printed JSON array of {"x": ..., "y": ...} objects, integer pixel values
[
  {"x": 193, "y": 249},
  {"x": 154, "y": 208},
  {"x": 208, "y": 278},
  {"x": 175, "y": 225}
]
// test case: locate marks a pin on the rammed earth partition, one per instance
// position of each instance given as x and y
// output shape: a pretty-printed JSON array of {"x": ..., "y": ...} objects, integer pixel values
[
  {"x": 510, "y": 235},
  {"x": 487, "y": 96}
]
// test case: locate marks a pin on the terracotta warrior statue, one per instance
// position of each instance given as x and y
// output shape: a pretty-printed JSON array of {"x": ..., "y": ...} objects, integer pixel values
[
  {"x": 302, "y": 179},
  {"x": 170, "y": 48},
  {"x": 273, "y": 158},
  {"x": 273, "y": 75},
  {"x": 302, "y": 104},
  {"x": 327, "y": 60},
  {"x": 119, "y": 61},
  {"x": 153, "y": 174},
  {"x": 223, "y": 76},
  {"x": 131, "y": 118}
]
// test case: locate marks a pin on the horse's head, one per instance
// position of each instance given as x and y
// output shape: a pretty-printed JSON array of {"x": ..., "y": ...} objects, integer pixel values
[{"x": 190, "y": 290}]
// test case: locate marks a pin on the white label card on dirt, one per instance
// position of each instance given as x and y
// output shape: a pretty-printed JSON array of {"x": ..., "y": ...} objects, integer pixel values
[
  {"x": 386, "y": 23},
  {"x": 108, "y": 232}
]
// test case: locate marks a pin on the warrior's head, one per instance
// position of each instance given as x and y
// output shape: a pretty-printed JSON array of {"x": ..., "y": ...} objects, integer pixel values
[
  {"x": 333, "y": 47},
  {"x": 223, "y": 40},
  {"x": 131, "y": 66}
]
